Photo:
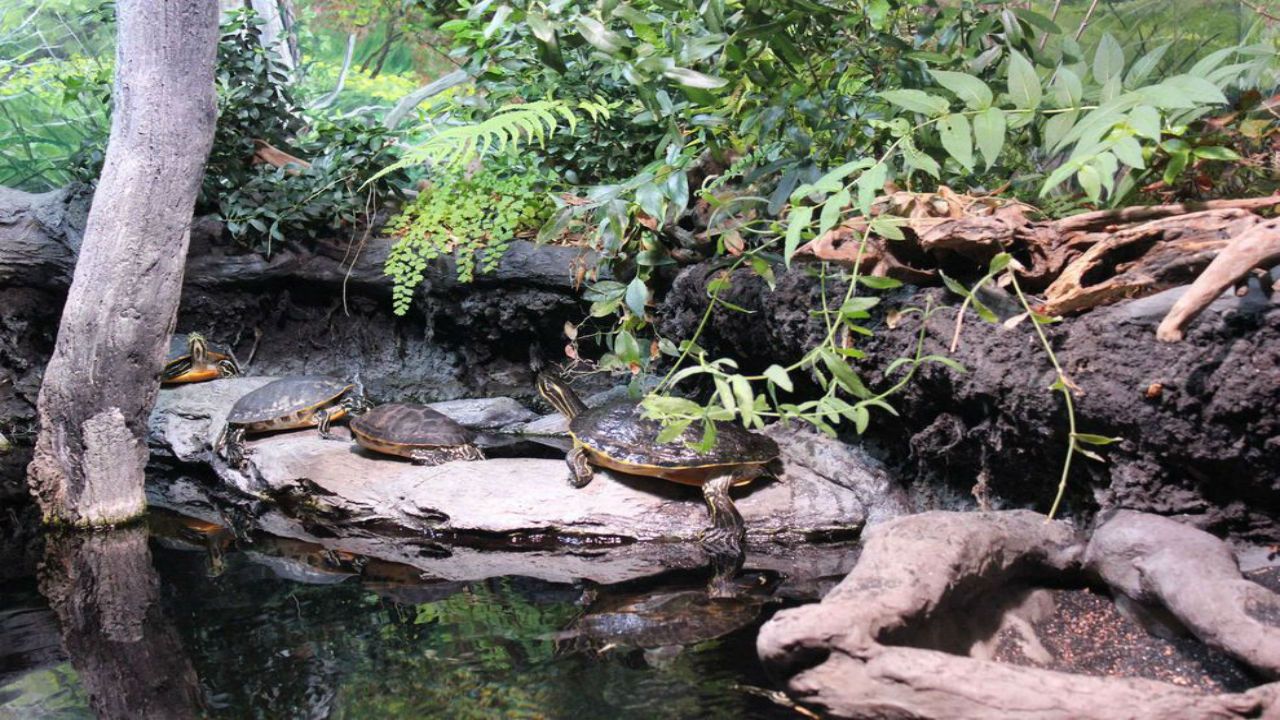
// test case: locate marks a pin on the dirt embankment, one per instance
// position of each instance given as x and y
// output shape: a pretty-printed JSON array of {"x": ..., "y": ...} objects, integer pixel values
[{"x": 1198, "y": 422}]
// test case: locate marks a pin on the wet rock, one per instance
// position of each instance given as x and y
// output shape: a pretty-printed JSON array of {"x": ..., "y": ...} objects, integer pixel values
[
  {"x": 806, "y": 451},
  {"x": 900, "y": 636},
  {"x": 506, "y": 502},
  {"x": 485, "y": 413}
]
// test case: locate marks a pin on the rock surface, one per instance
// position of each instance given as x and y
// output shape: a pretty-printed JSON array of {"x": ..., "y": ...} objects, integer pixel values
[
  {"x": 326, "y": 488},
  {"x": 890, "y": 641}
]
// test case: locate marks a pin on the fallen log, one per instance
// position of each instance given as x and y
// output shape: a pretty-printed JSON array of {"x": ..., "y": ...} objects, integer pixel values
[{"x": 1257, "y": 247}]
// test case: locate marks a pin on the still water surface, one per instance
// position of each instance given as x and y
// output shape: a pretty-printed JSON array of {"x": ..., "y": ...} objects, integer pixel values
[{"x": 275, "y": 636}]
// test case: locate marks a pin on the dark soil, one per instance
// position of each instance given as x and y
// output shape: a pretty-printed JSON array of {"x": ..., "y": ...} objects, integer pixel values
[{"x": 1200, "y": 435}]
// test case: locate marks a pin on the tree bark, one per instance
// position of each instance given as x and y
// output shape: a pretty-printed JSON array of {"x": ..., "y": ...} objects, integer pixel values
[
  {"x": 102, "y": 380},
  {"x": 128, "y": 655}
]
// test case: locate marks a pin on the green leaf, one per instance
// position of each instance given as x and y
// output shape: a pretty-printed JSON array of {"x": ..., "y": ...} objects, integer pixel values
[
  {"x": 989, "y": 130},
  {"x": 1177, "y": 163},
  {"x": 1196, "y": 89},
  {"x": 832, "y": 210},
  {"x": 957, "y": 139},
  {"x": 870, "y": 184},
  {"x": 917, "y": 101},
  {"x": 1024, "y": 83},
  {"x": 1091, "y": 181},
  {"x": 999, "y": 262},
  {"x": 1145, "y": 120},
  {"x": 954, "y": 285},
  {"x": 1108, "y": 61},
  {"x": 637, "y": 296},
  {"x": 796, "y": 224},
  {"x": 1057, "y": 177},
  {"x": 778, "y": 376},
  {"x": 834, "y": 178},
  {"x": 600, "y": 37},
  {"x": 843, "y": 374},
  {"x": 919, "y": 160},
  {"x": 694, "y": 79},
  {"x": 1215, "y": 153},
  {"x": 1090, "y": 439},
  {"x": 887, "y": 228},
  {"x": 861, "y": 418},
  {"x": 673, "y": 431},
  {"x": 858, "y": 304},
  {"x": 972, "y": 92},
  {"x": 1058, "y": 126},
  {"x": 745, "y": 397},
  {"x": 944, "y": 360},
  {"x": 1129, "y": 151},
  {"x": 879, "y": 283},
  {"x": 1144, "y": 66},
  {"x": 626, "y": 347},
  {"x": 649, "y": 198}
]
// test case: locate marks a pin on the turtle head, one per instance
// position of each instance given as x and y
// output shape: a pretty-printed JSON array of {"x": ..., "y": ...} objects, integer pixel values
[
  {"x": 198, "y": 346},
  {"x": 562, "y": 397}
]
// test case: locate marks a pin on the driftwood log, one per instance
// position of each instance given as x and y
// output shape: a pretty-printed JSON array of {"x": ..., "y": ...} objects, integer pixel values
[
  {"x": 893, "y": 639},
  {"x": 1080, "y": 262}
]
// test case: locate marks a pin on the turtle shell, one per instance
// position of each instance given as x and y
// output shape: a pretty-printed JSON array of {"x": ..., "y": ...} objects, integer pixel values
[
  {"x": 286, "y": 396},
  {"x": 410, "y": 425},
  {"x": 620, "y": 433}
]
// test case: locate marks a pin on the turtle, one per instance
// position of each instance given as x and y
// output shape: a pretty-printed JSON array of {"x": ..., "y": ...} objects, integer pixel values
[
  {"x": 616, "y": 436},
  {"x": 190, "y": 360},
  {"x": 426, "y": 436},
  {"x": 295, "y": 401}
]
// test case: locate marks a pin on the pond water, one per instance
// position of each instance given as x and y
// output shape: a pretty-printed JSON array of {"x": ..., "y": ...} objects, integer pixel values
[{"x": 261, "y": 631}]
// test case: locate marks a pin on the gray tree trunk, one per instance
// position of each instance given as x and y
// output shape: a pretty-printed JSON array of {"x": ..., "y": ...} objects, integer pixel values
[{"x": 103, "y": 378}]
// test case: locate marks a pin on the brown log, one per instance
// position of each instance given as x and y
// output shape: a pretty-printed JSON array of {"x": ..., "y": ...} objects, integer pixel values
[
  {"x": 102, "y": 380},
  {"x": 1258, "y": 247},
  {"x": 1103, "y": 218},
  {"x": 1145, "y": 259}
]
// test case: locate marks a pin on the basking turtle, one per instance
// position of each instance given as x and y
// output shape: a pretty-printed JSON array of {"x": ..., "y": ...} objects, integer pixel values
[
  {"x": 297, "y": 401},
  {"x": 417, "y": 432},
  {"x": 617, "y": 437},
  {"x": 190, "y": 360}
]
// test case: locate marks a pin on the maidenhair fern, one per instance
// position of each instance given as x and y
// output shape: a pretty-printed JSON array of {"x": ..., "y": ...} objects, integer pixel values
[{"x": 472, "y": 216}]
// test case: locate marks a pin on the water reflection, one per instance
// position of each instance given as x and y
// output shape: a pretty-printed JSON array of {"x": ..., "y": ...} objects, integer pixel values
[
  {"x": 280, "y": 628},
  {"x": 106, "y": 596}
]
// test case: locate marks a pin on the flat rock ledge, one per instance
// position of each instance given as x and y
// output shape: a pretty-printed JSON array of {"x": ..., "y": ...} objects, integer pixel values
[
  {"x": 505, "y": 500},
  {"x": 903, "y": 635}
]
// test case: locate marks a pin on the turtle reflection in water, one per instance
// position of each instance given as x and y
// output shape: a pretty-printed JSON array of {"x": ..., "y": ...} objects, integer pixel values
[
  {"x": 663, "y": 622},
  {"x": 298, "y": 401},
  {"x": 617, "y": 437},
  {"x": 426, "y": 436},
  {"x": 192, "y": 360}
]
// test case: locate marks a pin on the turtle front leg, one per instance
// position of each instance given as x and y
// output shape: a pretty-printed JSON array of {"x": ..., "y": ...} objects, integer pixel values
[
  {"x": 324, "y": 421},
  {"x": 580, "y": 472},
  {"x": 430, "y": 456},
  {"x": 230, "y": 445},
  {"x": 468, "y": 452},
  {"x": 727, "y": 532}
]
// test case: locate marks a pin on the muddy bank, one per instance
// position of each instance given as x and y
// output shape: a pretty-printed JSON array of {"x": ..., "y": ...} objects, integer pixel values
[{"x": 1201, "y": 438}]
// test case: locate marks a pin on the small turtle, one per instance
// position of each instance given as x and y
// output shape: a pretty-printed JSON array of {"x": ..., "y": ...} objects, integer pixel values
[
  {"x": 297, "y": 401},
  {"x": 618, "y": 437},
  {"x": 417, "y": 432},
  {"x": 190, "y": 360}
]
